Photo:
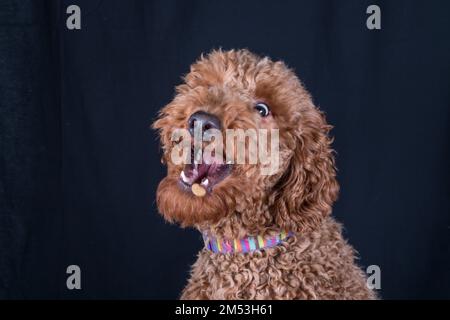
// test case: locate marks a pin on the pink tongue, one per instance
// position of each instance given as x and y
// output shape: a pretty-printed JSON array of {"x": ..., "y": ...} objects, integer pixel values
[{"x": 202, "y": 172}]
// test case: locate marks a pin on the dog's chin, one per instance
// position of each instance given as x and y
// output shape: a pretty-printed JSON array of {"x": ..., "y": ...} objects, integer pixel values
[{"x": 177, "y": 203}]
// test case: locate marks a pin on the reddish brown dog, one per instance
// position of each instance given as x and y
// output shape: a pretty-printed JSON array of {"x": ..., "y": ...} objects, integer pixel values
[{"x": 231, "y": 90}]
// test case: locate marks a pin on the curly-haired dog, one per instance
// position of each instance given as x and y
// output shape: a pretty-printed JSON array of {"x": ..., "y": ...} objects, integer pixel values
[{"x": 267, "y": 236}]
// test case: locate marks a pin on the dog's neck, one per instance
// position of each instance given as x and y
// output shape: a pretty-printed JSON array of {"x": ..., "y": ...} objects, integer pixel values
[{"x": 256, "y": 219}]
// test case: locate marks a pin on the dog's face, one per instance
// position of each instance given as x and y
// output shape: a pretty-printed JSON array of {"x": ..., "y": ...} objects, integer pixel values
[{"x": 225, "y": 91}]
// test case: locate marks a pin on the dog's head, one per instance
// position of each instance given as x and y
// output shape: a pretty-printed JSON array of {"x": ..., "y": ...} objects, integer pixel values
[{"x": 225, "y": 91}]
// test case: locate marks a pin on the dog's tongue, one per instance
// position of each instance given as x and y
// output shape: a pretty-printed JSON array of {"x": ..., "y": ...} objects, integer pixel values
[
  {"x": 202, "y": 171},
  {"x": 193, "y": 173}
]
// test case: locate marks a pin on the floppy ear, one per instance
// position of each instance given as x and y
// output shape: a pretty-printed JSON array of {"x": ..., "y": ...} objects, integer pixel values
[
  {"x": 159, "y": 124},
  {"x": 167, "y": 120},
  {"x": 307, "y": 190},
  {"x": 163, "y": 124}
]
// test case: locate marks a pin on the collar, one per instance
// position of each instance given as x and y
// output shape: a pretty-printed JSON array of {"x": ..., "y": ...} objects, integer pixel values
[{"x": 247, "y": 244}]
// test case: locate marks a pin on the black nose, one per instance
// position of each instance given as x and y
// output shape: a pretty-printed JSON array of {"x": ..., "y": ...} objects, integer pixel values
[{"x": 204, "y": 120}]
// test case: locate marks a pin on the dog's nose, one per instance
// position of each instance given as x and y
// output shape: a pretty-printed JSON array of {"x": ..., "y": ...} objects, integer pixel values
[{"x": 204, "y": 120}]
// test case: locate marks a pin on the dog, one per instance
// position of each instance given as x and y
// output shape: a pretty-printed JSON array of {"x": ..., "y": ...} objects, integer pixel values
[{"x": 267, "y": 236}]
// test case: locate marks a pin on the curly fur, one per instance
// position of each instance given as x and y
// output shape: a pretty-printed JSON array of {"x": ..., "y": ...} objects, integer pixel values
[{"x": 315, "y": 264}]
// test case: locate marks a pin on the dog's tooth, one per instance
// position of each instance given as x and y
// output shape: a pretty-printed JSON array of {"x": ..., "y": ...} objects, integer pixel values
[
  {"x": 183, "y": 176},
  {"x": 205, "y": 182}
]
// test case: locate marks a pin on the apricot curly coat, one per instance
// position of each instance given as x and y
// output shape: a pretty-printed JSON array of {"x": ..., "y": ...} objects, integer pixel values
[{"x": 317, "y": 263}]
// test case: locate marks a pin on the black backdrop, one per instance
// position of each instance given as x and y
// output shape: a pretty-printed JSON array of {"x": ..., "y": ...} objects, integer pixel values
[{"x": 79, "y": 165}]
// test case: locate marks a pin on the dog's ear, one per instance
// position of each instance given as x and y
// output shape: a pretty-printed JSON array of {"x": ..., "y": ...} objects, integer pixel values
[
  {"x": 308, "y": 188},
  {"x": 160, "y": 125}
]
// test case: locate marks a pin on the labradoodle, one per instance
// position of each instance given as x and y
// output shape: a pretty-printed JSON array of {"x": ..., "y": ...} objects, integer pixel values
[{"x": 267, "y": 236}]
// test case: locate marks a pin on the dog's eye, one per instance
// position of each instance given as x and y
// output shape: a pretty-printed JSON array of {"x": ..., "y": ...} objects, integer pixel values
[{"x": 262, "y": 109}]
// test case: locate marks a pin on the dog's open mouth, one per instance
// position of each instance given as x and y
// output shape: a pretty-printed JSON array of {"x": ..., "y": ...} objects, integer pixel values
[{"x": 208, "y": 173}]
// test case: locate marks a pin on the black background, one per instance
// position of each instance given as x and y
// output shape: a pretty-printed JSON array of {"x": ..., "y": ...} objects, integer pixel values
[{"x": 79, "y": 165}]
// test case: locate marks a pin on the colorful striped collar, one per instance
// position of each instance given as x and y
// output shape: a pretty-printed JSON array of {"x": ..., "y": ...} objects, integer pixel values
[{"x": 247, "y": 244}]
